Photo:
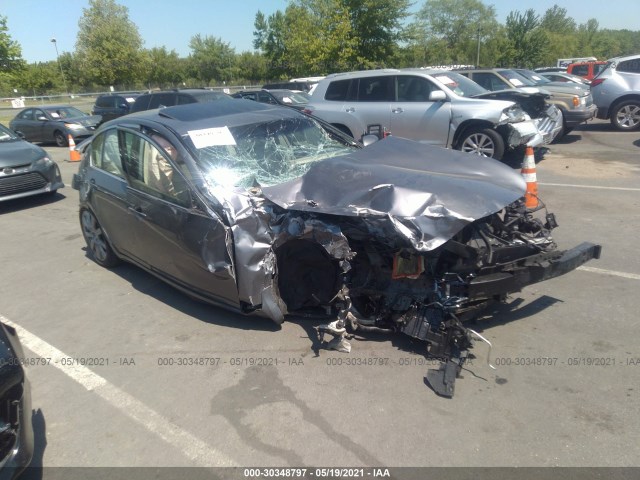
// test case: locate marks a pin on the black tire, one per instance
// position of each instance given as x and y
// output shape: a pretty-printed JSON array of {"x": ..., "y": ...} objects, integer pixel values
[
  {"x": 60, "y": 139},
  {"x": 97, "y": 242},
  {"x": 485, "y": 142},
  {"x": 625, "y": 116}
]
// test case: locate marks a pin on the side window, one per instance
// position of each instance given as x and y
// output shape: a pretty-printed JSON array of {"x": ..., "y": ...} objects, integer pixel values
[
  {"x": 150, "y": 170},
  {"x": 413, "y": 89},
  {"x": 376, "y": 89},
  {"x": 105, "y": 153},
  {"x": 629, "y": 66},
  {"x": 182, "y": 100},
  {"x": 265, "y": 98},
  {"x": 581, "y": 70},
  {"x": 26, "y": 115},
  {"x": 162, "y": 100},
  {"x": 337, "y": 91},
  {"x": 250, "y": 96},
  {"x": 489, "y": 81},
  {"x": 38, "y": 114}
]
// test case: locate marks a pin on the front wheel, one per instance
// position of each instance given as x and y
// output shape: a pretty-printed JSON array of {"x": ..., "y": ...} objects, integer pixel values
[
  {"x": 626, "y": 116},
  {"x": 96, "y": 240},
  {"x": 485, "y": 142},
  {"x": 60, "y": 139}
]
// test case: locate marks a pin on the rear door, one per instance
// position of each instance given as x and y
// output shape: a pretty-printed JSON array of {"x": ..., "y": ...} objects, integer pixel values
[
  {"x": 372, "y": 103},
  {"x": 414, "y": 116},
  {"x": 108, "y": 191}
]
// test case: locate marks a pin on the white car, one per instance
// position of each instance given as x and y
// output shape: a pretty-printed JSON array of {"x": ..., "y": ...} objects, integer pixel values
[{"x": 437, "y": 107}]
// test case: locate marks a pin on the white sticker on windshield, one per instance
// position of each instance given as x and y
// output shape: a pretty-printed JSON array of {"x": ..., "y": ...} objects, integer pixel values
[
  {"x": 210, "y": 137},
  {"x": 515, "y": 82},
  {"x": 446, "y": 80}
]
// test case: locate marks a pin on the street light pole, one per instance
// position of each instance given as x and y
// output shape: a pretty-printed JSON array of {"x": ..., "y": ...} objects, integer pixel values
[
  {"x": 64, "y": 82},
  {"x": 478, "y": 53}
]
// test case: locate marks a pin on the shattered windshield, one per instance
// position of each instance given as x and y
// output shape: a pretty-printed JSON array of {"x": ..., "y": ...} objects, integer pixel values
[{"x": 262, "y": 154}]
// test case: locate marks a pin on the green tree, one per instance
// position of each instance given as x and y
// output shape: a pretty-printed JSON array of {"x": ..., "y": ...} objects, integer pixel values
[
  {"x": 165, "y": 69},
  {"x": 322, "y": 36},
  {"x": 11, "y": 62},
  {"x": 561, "y": 32},
  {"x": 211, "y": 59},
  {"x": 108, "y": 44},
  {"x": 252, "y": 67},
  {"x": 449, "y": 31},
  {"x": 527, "y": 42}
]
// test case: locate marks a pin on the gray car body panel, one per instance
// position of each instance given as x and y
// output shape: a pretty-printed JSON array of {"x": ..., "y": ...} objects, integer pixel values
[
  {"x": 18, "y": 165},
  {"x": 616, "y": 86}
]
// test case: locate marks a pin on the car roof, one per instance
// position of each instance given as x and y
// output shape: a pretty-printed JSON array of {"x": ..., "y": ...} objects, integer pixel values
[{"x": 195, "y": 116}]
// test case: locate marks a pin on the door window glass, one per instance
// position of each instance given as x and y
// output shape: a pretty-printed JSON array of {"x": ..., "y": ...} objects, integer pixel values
[
  {"x": 105, "y": 153},
  {"x": 150, "y": 169},
  {"x": 413, "y": 89},
  {"x": 376, "y": 89}
]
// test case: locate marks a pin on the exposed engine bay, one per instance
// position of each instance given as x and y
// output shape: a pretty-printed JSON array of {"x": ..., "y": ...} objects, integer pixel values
[{"x": 375, "y": 282}]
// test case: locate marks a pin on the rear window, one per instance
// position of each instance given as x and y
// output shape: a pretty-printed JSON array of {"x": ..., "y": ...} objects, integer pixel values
[
  {"x": 105, "y": 102},
  {"x": 581, "y": 70},
  {"x": 206, "y": 96},
  {"x": 162, "y": 100},
  {"x": 629, "y": 66}
]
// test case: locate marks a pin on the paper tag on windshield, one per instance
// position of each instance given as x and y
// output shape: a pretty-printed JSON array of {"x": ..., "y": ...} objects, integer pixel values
[{"x": 211, "y": 137}]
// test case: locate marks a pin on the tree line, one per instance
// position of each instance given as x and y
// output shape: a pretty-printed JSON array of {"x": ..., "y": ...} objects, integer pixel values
[{"x": 309, "y": 38}]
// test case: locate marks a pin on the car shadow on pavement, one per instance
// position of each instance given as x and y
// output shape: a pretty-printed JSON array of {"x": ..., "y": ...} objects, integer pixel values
[
  {"x": 503, "y": 313},
  {"x": 34, "y": 470},
  {"x": 25, "y": 203},
  {"x": 149, "y": 285}
]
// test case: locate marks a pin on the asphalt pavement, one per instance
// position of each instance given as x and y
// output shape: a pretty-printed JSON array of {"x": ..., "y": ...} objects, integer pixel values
[{"x": 127, "y": 372}]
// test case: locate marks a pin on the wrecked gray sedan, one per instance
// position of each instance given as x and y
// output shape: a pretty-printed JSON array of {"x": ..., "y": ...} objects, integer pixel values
[{"x": 269, "y": 212}]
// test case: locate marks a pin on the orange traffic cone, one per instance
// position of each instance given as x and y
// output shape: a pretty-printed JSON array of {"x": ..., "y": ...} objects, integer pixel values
[
  {"x": 529, "y": 174},
  {"x": 74, "y": 155}
]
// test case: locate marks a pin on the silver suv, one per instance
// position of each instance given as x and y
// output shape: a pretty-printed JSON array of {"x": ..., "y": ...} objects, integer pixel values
[
  {"x": 431, "y": 106},
  {"x": 616, "y": 92}
]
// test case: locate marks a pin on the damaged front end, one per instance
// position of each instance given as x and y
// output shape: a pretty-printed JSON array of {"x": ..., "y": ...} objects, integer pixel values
[
  {"x": 546, "y": 116},
  {"x": 434, "y": 261}
]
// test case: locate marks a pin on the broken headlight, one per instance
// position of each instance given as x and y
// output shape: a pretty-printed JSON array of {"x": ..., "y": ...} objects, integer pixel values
[{"x": 513, "y": 114}]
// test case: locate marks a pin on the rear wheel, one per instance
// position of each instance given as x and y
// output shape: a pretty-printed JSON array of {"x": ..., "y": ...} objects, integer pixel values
[
  {"x": 60, "y": 139},
  {"x": 485, "y": 142},
  {"x": 626, "y": 116},
  {"x": 96, "y": 240}
]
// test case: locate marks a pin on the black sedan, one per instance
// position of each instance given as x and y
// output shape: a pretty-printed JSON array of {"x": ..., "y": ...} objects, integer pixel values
[
  {"x": 25, "y": 169},
  {"x": 287, "y": 98},
  {"x": 268, "y": 212},
  {"x": 54, "y": 123}
]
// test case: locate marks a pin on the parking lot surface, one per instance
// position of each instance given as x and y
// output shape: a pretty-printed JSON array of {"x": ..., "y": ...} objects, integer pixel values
[{"x": 126, "y": 371}]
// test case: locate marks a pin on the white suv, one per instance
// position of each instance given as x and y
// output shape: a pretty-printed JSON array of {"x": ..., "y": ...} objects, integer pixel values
[
  {"x": 431, "y": 106},
  {"x": 616, "y": 92}
]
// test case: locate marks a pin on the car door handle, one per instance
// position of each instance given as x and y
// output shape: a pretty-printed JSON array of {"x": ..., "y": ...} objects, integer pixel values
[
  {"x": 138, "y": 211},
  {"x": 397, "y": 110},
  {"x": 92, "y": 181},
  {"x": 350, "y": 110}
]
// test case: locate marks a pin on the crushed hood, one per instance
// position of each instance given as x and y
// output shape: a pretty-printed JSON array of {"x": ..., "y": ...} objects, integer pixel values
[{"x": 428, "y": 193}]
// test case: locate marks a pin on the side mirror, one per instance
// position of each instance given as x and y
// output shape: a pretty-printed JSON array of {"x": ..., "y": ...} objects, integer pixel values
[
  {"x": 369, "y": 139},
  {"x": 437, "y": 96},
  {"x": 20, "y": 134}
]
